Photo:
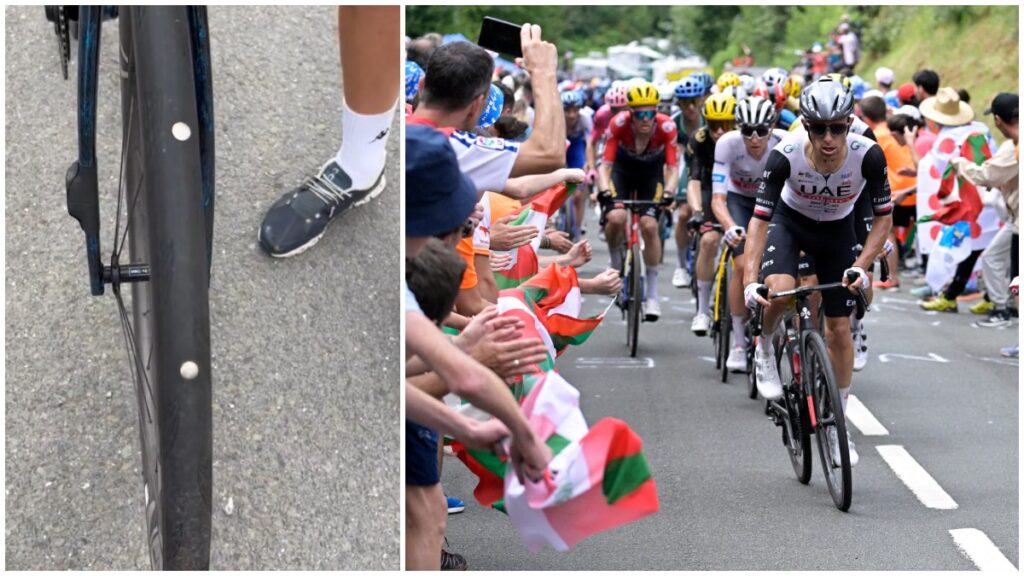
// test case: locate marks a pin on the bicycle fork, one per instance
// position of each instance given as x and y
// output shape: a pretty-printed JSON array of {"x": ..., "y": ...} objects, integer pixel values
[{"x": 82, "y": 180}]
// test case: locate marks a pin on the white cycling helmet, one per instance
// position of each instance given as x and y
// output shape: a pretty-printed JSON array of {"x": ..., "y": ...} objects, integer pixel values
[
  {"x": 748, "y": 83},
  {"x": 666, "y": 93},
  {"x": 755, "y": 111}
]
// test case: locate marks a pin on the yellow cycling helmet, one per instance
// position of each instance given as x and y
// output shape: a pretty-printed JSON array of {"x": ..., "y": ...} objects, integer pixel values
[
  {"x": 793, "y": 86},
  {"x": 643, "y": 94},
  {"x": 728, "y": 79},
  {"x": 720, "y": 107},
  {"x": 839, "y": 78}
]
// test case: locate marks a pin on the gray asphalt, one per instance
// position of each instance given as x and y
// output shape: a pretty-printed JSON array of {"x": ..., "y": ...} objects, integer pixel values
[
  {"x": 729, "y": 498},
  {"x": 305, "y": 350}
]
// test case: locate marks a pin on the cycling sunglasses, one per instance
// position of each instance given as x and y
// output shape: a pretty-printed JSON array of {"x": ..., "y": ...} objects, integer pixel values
[
  {"x": 644, "y": 114},
  {"x": 819, "y": 129},
  {"x": 750, "y": 131},
  {"x": 724, "y": 125}
]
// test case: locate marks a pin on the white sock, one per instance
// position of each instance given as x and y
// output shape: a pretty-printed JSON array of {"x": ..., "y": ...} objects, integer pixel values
[
  {"x": 739, "y": 327},
  {"x": 844, "y": 393},
  {"x": 704, "y": 296},
  {"x": 363, "y": 150},
  {"x": 765, "y": 347},
  {"x": 652, "y": 283}
]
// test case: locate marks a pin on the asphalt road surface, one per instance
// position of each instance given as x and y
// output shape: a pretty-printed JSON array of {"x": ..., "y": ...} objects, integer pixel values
[
  {"x": 305, "y": 350},
  {"x": 729, "y": 498}
]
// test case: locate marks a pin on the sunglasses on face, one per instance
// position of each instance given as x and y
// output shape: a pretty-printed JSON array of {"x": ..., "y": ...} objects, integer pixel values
[
  {"x": 821, "y": 129},
  {"x": 716, "y": 125},
  {"x": 750, "y": 131},
  {"x": 642, "y": 115}
]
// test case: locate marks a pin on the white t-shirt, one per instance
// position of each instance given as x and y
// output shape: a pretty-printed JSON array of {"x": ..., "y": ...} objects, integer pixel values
[
  {"x": 486, "y": 161},
  {"x": 851, "y": 48}
]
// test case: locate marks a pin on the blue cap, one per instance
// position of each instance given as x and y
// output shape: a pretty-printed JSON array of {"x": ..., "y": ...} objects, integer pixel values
[
  {"x": 413, "y": 74},
  {"x": 495, "y": 100},
  {"x": 438, "y": 196}
]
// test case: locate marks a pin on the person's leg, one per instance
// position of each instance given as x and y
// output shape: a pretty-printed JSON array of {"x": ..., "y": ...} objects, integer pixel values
[
  {"x": 425, "y": 521},
  {"x": 995, "y": 267},
  {"x": 652, "y": 253},
  {"x": 705, "y": 268},
  {"x": 370, "y": 41},
  {"x": 683, "y": 215},
  {"x": 614, "y": 231},
  {"x": 963, "y": 274}
]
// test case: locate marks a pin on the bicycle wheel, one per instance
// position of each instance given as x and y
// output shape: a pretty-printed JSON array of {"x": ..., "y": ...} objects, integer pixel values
[
  {"x": 692, "y": 264},
  {"x": 751, "y": 373},
  {"x": 170, "y": 209},
  {"x": 723, "y": 318},
  {"x": 828, "y": 412},
  {"x": 797, "y": 427},
  {"x": 635, "y": 299}
]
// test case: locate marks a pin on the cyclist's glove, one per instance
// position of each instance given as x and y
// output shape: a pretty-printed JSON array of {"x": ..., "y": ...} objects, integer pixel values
[
  {"x": 693, "y": 224},
  {"x": 604, "y": 196},
  {"x": 734, "y": 233},
  {"x": 751, "y": 294}
]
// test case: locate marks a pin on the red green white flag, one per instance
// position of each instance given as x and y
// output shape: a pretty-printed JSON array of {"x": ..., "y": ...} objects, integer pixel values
[{"x": 524, "y": 259}]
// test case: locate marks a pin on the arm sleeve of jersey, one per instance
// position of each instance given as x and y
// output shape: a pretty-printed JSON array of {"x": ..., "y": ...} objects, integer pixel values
[
  {"x": 870, "y": 134},
  {"x": 694, "y": 160},
  {"x": 720, "y": 171},
  {"x": 776, "y": 171},
  {"x": 611, "y": 144},
  {"x": 486, "y": 161},
  {"x": 588, "y": 126},
  {"x": 876, "y": 180},
  {"x": 671, "y": 147}
]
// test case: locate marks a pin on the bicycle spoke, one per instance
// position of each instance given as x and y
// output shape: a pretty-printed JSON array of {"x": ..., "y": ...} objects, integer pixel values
[{"x": 130, "y": 345}]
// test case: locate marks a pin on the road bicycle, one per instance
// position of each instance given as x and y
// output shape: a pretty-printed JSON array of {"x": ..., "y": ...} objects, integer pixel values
[
  {"x": 166, "y": 194},
  {"x": 810, "y": 399},
  {"x": 634, "y": 273}
]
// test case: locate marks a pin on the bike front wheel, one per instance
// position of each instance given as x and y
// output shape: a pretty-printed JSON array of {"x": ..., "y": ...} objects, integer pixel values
[
  {"x": 168, "y": 185},
  {"x": 831, "y": 422},
  {"x": 635, "y": 299},
  {"x": 724, "y": 320}
]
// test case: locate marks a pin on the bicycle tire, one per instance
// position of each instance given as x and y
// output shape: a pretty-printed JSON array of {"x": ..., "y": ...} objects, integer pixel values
[
  {"x": 694, "y": 251},
  {"x": 635, "y": 299},
  {"x": 798, "y": 426},
  {"x": 825, "y": 394},
  {"x": 167, "y": 228},
  {"x": 751, "y": 372},
  {"x": 724, "y": 320}
]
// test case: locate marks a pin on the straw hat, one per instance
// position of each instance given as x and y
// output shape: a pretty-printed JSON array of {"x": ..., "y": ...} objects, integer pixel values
[{"x": 946, "y": 108}]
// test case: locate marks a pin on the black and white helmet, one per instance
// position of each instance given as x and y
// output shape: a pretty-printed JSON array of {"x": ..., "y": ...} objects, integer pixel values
[
  {"x": 825, "y": 100},
  {"x": 755, "y": 111}
]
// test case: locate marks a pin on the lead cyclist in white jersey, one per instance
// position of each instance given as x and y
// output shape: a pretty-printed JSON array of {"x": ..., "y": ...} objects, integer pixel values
[
  {"x": 806, "y": 202},
  {"x": 740, "y": 158}
]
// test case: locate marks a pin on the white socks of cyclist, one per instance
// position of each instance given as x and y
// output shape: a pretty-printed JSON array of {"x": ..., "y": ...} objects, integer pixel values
[
  {"x": 364, "y": 145},
  {"x": 652, "y": 283},
  {"x": 739, "y": 327},
  {"x": 704, "y": 296}
]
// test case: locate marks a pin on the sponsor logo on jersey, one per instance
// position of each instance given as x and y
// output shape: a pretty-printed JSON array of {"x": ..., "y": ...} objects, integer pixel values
[
  {"x": 667, "y": 127},
  {"x": 620, "y": 120},
  {"x": 490, "y": 143},
  {"x": 767, "y": 263},
  {"x": 842, "y": 191},
  {"x": 771, "y": 248},
  {"x": 718, "y": 178},
  {"x": 788, "y": 148},
  {"x": 855, "y": 145}
]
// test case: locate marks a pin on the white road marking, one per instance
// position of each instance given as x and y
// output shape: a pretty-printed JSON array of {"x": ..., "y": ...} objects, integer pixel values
[
  {"x": 937, "y": 322},
  {"x": 708, "y": 359},
  {"x": 891, "y": 300},
  {"x": 864, "y": 420},
  {"x": 981, "y": 551},
  {"x": 931, "y": 357},
  {"x": 995, "y": 360},
  {"x": 916, "y": 478},
  {"x": 613, "y": 362}
]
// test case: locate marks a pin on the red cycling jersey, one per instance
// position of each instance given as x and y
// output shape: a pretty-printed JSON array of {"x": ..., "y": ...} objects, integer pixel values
[{"x": 620, "y": 131}]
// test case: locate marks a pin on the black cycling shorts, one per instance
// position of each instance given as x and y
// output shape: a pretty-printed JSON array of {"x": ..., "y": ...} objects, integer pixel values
[
  {"x": 420, "y": 455},
  {"x": 830, "y": 243},
  {"x": 903, "y": 216},
  {"x": 646, "y": 185},
  {"x": 741, "y": 209}
]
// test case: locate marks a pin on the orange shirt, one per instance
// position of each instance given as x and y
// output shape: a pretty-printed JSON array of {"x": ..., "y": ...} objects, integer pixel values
[
  {"x": 897, "y": 157},
  {"x": 497, "y": 206},
  {"x": 465, "y": 249}
]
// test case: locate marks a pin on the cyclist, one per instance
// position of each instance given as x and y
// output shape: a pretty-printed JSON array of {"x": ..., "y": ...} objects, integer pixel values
[
  {"x": 740, "y": 157},
  {"x": 810, "y": 185},
  {"x": 776, "y": 94},
  {"x": 667, "y": 96},
  {"x": 689, "y": 98},
  {"x": 640, "y": 159},
  {"x": 580, "y": 153},
  {"x": 719, "y": 114},
  {"x": 863, "y": 218},
  {"x": 614, "y": 102},
  {"x": 727, "y": 80}
]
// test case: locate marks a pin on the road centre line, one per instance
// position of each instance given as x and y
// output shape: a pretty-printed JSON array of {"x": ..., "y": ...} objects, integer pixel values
[
  {"x": 916, "y": 478},
  {"x": 981, "y": 551},
  {"x": 858, "y": 414}
]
